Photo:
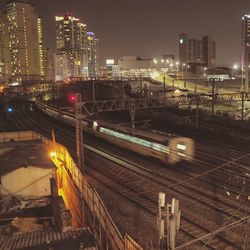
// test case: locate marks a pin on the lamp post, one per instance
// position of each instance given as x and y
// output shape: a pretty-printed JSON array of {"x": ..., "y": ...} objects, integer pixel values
[
  {"x": 182, "y": 73},
  {"x": 164, "y": 88},
  {"x": 182, "y": 69},
  {"x": 177, "y": 71},
  {"x": 213, "y": 93},
  {"x": 205, "y": 71}
]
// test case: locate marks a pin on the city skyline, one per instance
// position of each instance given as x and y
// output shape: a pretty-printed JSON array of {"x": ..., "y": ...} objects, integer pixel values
[
  {"x": 124, "y": 124},
  {"x": 220, "y": 20},
  {"x": 155, "y": 27}
]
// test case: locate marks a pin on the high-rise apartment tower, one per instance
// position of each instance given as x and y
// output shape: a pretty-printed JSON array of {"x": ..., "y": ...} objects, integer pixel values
[
  {"x": 245, "y": 50},
  {"x": 70, "y": 46},
  {"x": 23, "y": 29}
]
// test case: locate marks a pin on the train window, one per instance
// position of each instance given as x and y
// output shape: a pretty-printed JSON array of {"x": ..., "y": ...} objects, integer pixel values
[
  {"x": 141, "y": 142},
  {"x": 161, "y": 148},
  {"x": 68, "y": 117},
  {"x": 181, "y": 154},
  {"x": 181, "y": 147}
]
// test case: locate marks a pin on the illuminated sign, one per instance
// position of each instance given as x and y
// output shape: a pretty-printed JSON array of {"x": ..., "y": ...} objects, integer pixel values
[
  {"x": 181, "y": 41},
  {"x": 110, "y": 62},
  {"x": 59, "y": 18}
]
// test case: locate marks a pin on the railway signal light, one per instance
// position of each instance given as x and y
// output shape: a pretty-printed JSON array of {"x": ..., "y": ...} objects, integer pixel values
[
  {"x": 9, "y": 109},
  {"x": 72, "y": 98}
]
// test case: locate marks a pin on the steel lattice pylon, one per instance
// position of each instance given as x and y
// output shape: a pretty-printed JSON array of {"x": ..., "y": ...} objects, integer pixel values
[{"x": 79, "y": 132}]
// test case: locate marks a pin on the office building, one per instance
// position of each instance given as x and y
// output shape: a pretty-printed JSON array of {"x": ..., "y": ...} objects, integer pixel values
[
  {"x": 135, "y": 66},
  {"x": 197, "y": 53},
  {"x": 246, "y": 50},
  {"x": 70, "y": 47},
  {"x": 208, "y": 51},
  {"x": 49, "y": 65},
  {"x": 5, "y": 72},
  {"x": 112, "y": 69},
  {"x": 24, "y": 34},
  {"x": 190, "y": 49},
  {"x": 92, "y": 54},
  {"x": 62, "y": 67}
]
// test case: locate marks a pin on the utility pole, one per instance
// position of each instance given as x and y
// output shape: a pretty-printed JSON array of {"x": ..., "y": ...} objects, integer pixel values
[
  {"x": 93, "y": 90},
  {"x": 132, "y": 111},
  {"x": 213, "y": 96},
  {"x": 53, "y": 139},
  {"x": 197, "y": 113},
  {"x": 123, "y": 90},
  {"x": 168, "y": 222},
  {"x": 247, "y": 54},
  {"x": 79, "y": 132},
  {"x": 242, "y": 105},
  {"x": 247, "y": 236},
  {"x": 141, "y": 86},
  {"x": 173, "y": 83},
  {"x": 164, "y": 87},
  {"x": 150, "y": 89}
]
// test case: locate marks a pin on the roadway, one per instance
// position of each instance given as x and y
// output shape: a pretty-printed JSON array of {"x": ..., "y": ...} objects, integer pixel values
[
  {"x": 186, "y": 84},
  {"x": 209, "y": 155}
]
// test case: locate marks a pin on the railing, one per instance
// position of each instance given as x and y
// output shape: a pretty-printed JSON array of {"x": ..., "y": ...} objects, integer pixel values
[
  {"x": 101, "y": 220},
  {"x": 19, "y": 136},
  {"x": 89, "y": 195}
]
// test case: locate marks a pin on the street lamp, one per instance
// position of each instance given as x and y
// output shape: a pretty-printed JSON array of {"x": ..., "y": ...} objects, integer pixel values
[
  {"x": 171, "y": 67},
  {"x": 182, "y": 71},
  {"x": 177, "y": 67},
  {"x": 235, "y": 66},
  {"x": 205, "y": 72}
]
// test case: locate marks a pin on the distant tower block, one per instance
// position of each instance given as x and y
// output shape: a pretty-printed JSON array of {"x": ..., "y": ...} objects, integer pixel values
[{"x": 246, "y": 50}]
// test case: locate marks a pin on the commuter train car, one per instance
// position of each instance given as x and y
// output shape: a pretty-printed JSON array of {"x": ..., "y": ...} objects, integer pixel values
[
  {"x": 170, "y": 149},
  {"x": 167, "y": 148}
]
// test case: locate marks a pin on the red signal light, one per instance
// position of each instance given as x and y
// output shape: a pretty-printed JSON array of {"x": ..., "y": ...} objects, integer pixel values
[{"x": 72, "y": 98}]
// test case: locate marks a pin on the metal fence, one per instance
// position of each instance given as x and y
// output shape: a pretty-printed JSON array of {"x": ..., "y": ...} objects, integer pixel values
[
  {"x": 6, "y": 137},
  {"x": 89, "y": 202}
]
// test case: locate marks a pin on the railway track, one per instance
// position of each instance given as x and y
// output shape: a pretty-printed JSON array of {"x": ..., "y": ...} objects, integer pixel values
[
  {"x": 149, "y": 200},
  {"x": 189, "y": 228},
  {"x": 130, "y": 181}
]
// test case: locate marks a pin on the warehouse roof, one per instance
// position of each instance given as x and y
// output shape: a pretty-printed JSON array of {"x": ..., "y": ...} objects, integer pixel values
[
  {"x": 46, "y": 239},
  {"x": 14, "y": 155}
]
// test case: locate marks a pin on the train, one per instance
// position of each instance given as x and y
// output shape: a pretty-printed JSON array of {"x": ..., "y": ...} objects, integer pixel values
[{"x": 168, "y": 148}]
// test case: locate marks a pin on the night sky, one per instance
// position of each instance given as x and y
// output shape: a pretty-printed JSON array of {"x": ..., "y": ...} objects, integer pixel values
[{"x": 150, "y": 28}]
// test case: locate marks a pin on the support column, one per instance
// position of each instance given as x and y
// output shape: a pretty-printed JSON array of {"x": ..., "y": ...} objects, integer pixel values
[
  {"x": 79, "y": 132},
  {"x": 213, "y": 95},
  {"x": 242, "y": 105},
  {"x": 132, "y": 110},
  {"x": 197, "y": 113},
  {"x": 93, "y": 91},
  {"x": 164, "y": 89},
  {"x": 141, "y": 86},
  {"x": 123, "y": 90}
]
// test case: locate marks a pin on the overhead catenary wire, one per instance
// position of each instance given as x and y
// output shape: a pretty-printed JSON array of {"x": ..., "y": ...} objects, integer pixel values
[
  {"x": 230, "y": 226},
  {"x": 224, "y": 225},
  {"x": 193, "y": 177}
]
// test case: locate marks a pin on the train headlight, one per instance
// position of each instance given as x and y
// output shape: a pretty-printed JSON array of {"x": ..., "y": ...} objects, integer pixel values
[
  {"x": 181, "y": 147},
  {"x": 95, "y": 125}
]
